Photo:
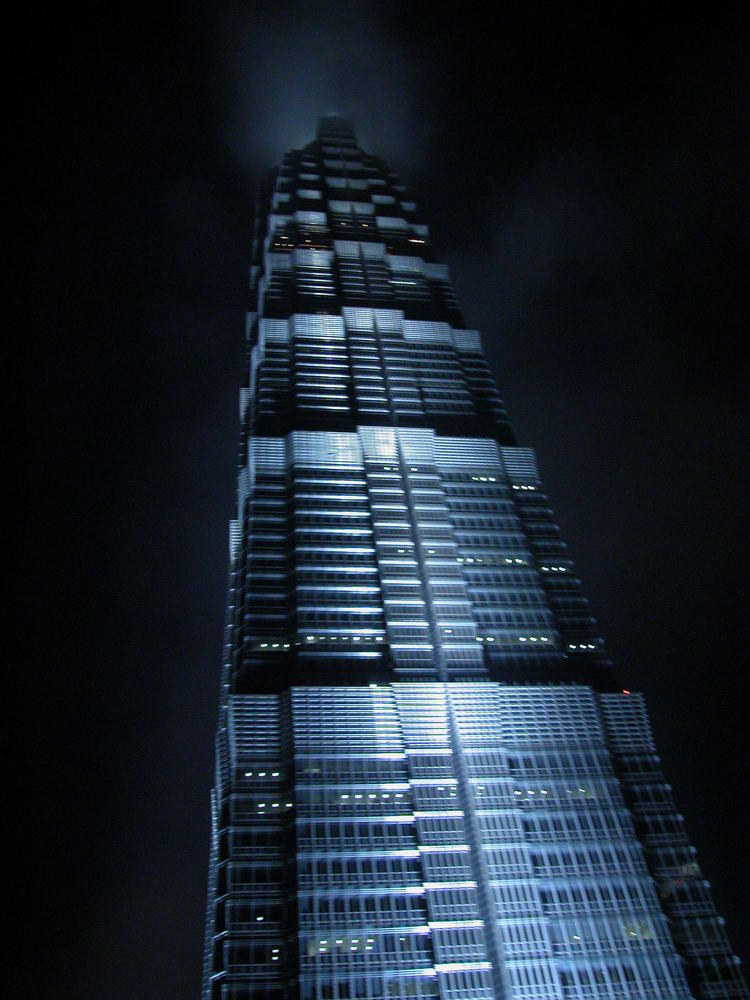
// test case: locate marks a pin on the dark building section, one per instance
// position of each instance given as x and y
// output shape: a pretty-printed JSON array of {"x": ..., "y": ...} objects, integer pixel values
[{"x": 428, "y": 782}]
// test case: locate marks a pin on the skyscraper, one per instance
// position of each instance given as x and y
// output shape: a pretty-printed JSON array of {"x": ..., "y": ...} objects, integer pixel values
[{"x": 428, "y": 782}]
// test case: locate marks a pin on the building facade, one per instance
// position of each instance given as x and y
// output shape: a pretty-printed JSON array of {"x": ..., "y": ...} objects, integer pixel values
[{"x": 428, "y": 782}]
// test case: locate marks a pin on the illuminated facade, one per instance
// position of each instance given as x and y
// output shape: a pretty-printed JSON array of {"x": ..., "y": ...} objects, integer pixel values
[{"x": 428, "y": 783}]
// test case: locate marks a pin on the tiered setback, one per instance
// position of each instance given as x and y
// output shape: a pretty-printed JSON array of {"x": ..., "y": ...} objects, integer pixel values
[
  {"x": 399, "y": 551},
  {"x": 428, "y": 783}
]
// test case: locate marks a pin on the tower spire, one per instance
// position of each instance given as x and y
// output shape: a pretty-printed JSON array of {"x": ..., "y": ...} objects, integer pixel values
[{"x": 335, "y": 130}]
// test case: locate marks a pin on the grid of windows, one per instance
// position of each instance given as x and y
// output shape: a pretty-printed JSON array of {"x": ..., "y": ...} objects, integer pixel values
[
  {"x": 389, "y": 810},
  {"x": 375, "y": 367},
  {"x": 356, "y": 556}
]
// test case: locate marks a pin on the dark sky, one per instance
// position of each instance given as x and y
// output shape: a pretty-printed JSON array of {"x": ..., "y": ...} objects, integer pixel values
[{"x": 587, "y": 181}]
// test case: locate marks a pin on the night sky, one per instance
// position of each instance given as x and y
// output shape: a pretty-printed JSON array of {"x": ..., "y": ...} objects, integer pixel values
[{"x": 587, "y": 181}]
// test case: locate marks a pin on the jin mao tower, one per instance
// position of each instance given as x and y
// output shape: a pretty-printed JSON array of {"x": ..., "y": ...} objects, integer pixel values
[{"x": 428, "y": 782}]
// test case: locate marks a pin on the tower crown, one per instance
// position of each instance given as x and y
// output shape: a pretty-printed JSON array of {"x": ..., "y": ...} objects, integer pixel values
[{"x": 335, "y": 130}]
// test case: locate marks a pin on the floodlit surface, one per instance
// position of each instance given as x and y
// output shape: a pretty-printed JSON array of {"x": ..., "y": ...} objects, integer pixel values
[{"x": 429, "y": 782}]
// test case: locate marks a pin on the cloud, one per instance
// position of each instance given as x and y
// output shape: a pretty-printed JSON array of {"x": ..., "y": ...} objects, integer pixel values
[{"x": 287, "y": 65}]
